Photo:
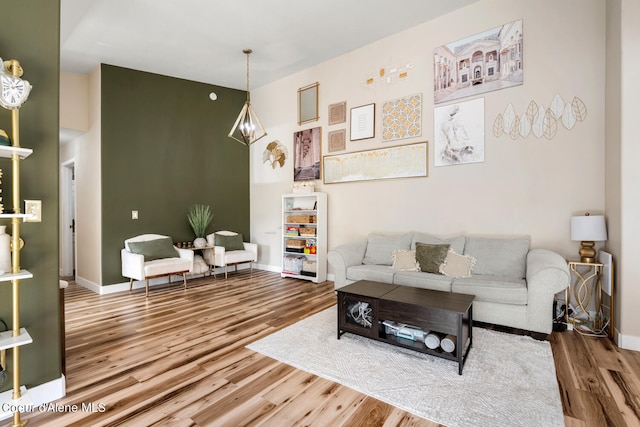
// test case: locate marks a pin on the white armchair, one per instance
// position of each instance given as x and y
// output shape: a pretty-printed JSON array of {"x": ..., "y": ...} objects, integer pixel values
[
  {"x": 153, "y": 255},
  {"x": 229, "y": 249}
]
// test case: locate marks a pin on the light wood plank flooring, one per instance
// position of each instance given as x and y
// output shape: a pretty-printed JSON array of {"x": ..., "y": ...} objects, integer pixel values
[{"x": 178, "y": 358}]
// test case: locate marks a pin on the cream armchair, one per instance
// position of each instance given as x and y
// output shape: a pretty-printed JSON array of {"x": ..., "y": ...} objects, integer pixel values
[
  {"x": 229, "y": 249},
  {"x": 153, "y": 255}
]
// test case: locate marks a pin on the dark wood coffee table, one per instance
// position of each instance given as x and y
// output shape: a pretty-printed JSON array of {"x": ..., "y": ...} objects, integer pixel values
[{"x": 365, "y": 304}]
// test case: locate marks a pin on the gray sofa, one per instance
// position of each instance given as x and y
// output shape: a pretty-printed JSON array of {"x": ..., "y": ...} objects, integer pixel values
[{"x": 514, "y": 285}]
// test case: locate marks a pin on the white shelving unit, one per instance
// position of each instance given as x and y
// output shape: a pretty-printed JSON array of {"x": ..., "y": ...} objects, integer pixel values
[{"x": 304, "y": 236}]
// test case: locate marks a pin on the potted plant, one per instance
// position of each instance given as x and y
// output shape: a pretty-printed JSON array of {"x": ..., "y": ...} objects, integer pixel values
[{"x": 199, "y": 216}]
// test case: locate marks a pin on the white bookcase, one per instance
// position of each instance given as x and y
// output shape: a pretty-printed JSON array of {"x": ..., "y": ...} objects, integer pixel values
[{"x": 304, "y": 236}]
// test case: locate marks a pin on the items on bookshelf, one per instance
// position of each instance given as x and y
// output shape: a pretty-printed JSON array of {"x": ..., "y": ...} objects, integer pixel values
[
  {"x": 294, "y": 245},
  {"x": 304, "y": 225},
  {"x": 292, "y": 231}
]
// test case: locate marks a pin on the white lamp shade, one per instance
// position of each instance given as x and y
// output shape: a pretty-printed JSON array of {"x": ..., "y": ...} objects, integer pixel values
[{"x": 588, "y": 228}]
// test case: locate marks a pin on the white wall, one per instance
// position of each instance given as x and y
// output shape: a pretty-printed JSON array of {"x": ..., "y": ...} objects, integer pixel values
[
  {"x": 528, "y": 186},
  {"x": 85, "y": 150},
  {"x": 74, "y": 102},
  {"x": 629, "y": 268}
]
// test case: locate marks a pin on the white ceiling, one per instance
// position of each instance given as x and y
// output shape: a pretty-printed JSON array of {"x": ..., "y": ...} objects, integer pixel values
[{"x": 202, "y": 40}]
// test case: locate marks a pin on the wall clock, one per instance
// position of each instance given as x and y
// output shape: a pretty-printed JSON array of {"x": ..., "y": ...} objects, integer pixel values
[{"x": 13, "y": 90}]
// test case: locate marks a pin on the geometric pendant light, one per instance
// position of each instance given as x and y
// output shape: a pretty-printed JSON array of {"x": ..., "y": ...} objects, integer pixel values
[{"x": 247, "y": 129}]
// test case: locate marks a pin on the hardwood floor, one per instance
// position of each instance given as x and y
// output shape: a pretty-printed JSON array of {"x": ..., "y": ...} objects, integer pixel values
[{"x": 178, "y": 358}]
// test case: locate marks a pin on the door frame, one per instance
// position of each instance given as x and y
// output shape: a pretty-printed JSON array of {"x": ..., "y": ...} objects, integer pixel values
[{"x": 67, "y": 217}]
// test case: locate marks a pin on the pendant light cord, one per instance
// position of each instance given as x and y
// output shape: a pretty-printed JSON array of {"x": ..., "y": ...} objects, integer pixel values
[{"x": 248, "y": 52}]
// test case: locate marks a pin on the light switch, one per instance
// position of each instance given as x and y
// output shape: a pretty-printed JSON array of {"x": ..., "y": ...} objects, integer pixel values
[
  {"x": 134, "y": 214},
  {"x": 33, "y": 208}
]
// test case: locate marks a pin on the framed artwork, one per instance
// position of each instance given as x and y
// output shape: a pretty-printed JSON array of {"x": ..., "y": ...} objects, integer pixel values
[
  {"x": 402, "y": 118},
  {"x": 459, "y": 133},
  {"x": 363, "y": 122},
  {"x": 308, "y": 103},
  {"x": 337, "y": 113},
  {"x": 337, "y": 140},
  {"x": 481, "y": 63},
  {"x": 402, "y": 161},
  {"x": 307, "y": 153}
]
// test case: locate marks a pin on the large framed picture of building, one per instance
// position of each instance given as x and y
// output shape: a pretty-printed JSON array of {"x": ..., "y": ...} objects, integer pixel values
[
  {"x": 307, "y": 153},
  {"x": 485, "y": 62}
]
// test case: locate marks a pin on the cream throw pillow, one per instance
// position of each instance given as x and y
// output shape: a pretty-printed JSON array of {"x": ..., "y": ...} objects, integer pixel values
[
  {"x": 404, "y": 260},
  {"x": 456, "y": 265}
]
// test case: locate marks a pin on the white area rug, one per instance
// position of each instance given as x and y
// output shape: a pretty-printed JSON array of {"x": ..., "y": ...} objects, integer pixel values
[{"x": 508, "y": 380}]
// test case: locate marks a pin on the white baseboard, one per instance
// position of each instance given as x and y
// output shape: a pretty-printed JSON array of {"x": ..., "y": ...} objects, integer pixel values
[
  {"x": 266, "y": 267},
  {"x": 88, "y": 284},
  {"x": 33, "y": 398},
  {"x": 139, "y": 284},
  {"x": 278, "y": 269},
  {"x": 628, "y": 342}
]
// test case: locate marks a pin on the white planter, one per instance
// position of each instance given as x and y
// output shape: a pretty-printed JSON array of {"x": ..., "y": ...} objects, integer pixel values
[{"x": 200, "y": 242}]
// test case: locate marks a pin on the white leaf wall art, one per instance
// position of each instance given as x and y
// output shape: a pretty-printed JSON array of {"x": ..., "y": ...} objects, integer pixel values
[
  {"x": 532, "y": 111},
  {"x": 537, "y": 126},
  {"x": 549, "y": 124},
  {"x": 498, "y": 126},
  {"x": 515, "y": 128},
  {"x": 579, "y": 109},
  {"x": 508, "y": 117},
  {"x": 568, "y": 118},
  {"x": 538, "y": 120},
  {"x": 557, "y": 106},
  {"x": 525, "y": 126}
]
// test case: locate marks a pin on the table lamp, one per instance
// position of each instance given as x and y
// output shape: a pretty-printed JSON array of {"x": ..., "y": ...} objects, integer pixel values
[{"x": 588, "y": 229}]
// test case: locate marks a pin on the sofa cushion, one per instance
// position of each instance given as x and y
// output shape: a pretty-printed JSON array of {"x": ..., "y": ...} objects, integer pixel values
[
  {"x": 498, "y": 257},
  {"x": 456, "y": 243},
  {"x": 430, "y": 257},
  {"x": 380, "y": 247},
  {"x": 404, "y": 260},
  {"x": 418, "y": 279},
  {"x": 456, "y": 265},
  {"x": 230, "y": 242},
  {"x": 377, "y": 273},
  {"x": 154, "y": 249},
  {"x": 496, "y": 289}
]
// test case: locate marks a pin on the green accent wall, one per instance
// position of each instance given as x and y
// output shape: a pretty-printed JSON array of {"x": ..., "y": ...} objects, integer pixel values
[
  {"x": 164, "y": 148},
  {"x": 30, "y": 33}
]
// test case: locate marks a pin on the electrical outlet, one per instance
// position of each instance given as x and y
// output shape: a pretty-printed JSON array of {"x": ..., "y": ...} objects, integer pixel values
[
  {"x": 134, "y": 214},
  {"x": 33, "y": 208}
]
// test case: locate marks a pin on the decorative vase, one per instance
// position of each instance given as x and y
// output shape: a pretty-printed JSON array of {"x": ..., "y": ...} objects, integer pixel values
[
  {"x": 200, "y": 242},
  {"x": 5, "y": 250}
]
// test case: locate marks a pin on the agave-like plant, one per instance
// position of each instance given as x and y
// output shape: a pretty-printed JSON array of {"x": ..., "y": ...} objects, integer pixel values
[{"x": 199, "y": 217}]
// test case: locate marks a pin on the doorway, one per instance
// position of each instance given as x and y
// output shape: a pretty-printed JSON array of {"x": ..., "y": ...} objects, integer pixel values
[{"x": 68, "y": 219}]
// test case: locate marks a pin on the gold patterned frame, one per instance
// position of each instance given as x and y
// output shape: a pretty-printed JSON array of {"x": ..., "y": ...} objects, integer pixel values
[
  {"x": 337, "y": 113},
  {"x": 337, "y": 140}
]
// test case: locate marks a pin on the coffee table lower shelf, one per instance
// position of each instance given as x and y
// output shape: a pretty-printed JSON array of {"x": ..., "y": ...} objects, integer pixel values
[
  {"x": 419, "y": 347},
  {"x": 364, "y": 305}
]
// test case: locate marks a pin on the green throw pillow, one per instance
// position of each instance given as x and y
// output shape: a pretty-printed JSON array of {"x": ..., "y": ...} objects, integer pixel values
[
  {"x": 230, "y": 243},
  {"x": 431, "y": 256},
  {"x": 154, "y": 249}
]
